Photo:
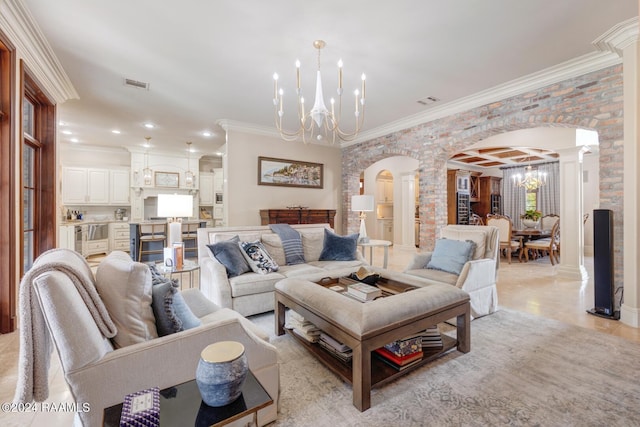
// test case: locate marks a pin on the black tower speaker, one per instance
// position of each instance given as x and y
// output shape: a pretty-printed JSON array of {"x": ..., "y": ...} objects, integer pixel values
[{"x": 603, "y": 264}]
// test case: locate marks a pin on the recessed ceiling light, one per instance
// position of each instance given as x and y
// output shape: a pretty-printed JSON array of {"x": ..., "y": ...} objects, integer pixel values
[
  {"x": 61, "y": 123},
  {"x": 206, "y": 133},
  {"x": 116, "y": 131},
  {"x": 66, "y": 132},
  {"x": 74, "y": 140},
  {"x": 149, "y": 125},
  {"x": 218, "y": 153}
]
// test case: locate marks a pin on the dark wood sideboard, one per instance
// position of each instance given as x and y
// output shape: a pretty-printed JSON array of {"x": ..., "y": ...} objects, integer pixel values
[{"x": 297, "y": 216}]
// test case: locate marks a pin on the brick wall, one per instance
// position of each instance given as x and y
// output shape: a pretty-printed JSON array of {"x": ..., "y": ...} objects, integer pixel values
[{"x": 593, "y": 101}]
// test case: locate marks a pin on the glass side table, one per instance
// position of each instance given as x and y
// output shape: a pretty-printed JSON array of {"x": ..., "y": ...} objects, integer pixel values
[
  {"x": 189, "y": 274},
  {"x": 182, "y": 405}
]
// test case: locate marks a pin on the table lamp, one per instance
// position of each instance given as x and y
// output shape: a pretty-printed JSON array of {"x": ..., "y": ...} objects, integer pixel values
[
  {"x": 174, "y": 207},
  {"x": 362, "y": 204}
]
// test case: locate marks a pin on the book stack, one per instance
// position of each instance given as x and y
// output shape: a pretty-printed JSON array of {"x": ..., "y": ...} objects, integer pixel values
[
  {"x": 431, "y": 339},
  {"x": 402, "y": 353},
  {"x": 335, "y": 348},
  {"x": 302, "y": 327},
  {"x": 363, "y": 292}
]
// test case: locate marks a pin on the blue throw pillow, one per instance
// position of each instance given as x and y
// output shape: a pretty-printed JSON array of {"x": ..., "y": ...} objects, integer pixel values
[
  {"x": 451, "y": 255},
  {"x": 169, "y": 308},
  {"x": 339, "y": 248},
  {"x": 230, "y": 255}
]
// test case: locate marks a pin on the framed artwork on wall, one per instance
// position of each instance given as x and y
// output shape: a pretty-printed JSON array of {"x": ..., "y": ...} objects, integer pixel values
[
  {"x": 289, "y": 173},
  {"x": 167, "y": 179}
]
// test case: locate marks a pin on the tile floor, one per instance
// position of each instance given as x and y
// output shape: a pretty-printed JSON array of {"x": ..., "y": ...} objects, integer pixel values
[{"x": 532, "y": 287}]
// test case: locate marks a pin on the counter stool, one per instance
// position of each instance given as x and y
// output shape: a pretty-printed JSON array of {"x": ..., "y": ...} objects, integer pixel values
[
  {"x": 149, "y": 233},
  {"x": 190, "y": 233}
]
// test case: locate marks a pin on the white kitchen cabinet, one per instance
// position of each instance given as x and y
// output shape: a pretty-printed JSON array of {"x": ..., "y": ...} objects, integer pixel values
[
  {"x": 98, "y": 186},
  {"x": 206, "y": 188},
  {"x": 384, "y": 191},
  {"x": 218, "y": 179},
  {"x": 385, "y": 230},
  {"x": 66, "y": 237},
  {"x": 119, "y": 236},
  {"x": 119, "y": 187},
  {"x": 74, "y": 186},
  {"x": 91, "y": 186}
]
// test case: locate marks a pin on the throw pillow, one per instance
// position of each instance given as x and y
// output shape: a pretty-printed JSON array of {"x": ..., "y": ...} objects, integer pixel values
[
  {"x": 339, "y": 248},
  {"x": 258, "y": 258},
  {"x": 171, "y": 311},
  {"x": 228, "y": 253},
  {"x": 125, "y": 288},
  {"x": 451, "y": 255}
]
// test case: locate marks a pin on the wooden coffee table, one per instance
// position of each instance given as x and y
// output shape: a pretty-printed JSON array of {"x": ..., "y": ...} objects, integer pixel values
[{"x": 365, "y": 327}]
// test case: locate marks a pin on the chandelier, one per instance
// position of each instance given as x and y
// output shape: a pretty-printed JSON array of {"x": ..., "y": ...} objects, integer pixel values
[
  {"x": 532, "y": 180},
  {"x": 189, "y": 177},
  {"x": 318, "y": 123}
]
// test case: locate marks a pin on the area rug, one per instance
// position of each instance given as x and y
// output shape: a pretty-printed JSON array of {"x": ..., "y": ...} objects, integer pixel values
[{"x": 523, "y": 370}]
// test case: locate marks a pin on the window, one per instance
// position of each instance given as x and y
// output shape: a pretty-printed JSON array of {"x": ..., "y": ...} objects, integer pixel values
[
  {"x": 37, "y": 177},
  {"x": 531, "y": 201}
]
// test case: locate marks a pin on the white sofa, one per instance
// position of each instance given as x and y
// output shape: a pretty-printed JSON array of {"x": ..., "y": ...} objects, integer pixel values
[
  {"x": 253, "y": 293},
  {"x": 478, "y": 276},
  {"x": 101, "y": 375}
]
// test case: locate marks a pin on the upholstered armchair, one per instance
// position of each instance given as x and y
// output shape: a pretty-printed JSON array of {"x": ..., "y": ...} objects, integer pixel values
[
  {"x": 61, "y": 292},
  {"x": 477, "y": 274}
]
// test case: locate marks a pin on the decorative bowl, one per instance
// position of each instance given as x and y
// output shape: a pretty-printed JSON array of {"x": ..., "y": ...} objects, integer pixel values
[{"x": 530, "y": 223}]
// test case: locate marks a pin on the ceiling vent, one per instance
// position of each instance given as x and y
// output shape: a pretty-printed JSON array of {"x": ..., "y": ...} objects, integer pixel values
[
  {"x": 428, "y": 100},
  {"x": 135, "y": 83}
]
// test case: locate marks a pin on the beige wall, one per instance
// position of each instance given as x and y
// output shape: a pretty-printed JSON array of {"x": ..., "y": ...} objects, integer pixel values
[{"x": 244, "y": 197}]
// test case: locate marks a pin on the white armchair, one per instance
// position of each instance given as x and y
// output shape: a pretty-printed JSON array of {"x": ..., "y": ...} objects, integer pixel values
[
  {"x": 101, "y": 375},
  {"x": 478, "y": 276}
]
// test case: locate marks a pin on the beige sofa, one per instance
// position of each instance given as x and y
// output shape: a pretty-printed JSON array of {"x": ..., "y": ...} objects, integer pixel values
[
  {"x": 253, "y": 293},
  {"x": 96, "y": 372},
  {"x": 478, "y": 276}
]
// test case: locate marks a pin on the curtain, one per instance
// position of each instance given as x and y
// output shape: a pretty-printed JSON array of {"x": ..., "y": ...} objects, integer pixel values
[
  {"x": 514, "y": 197},
  {"x": 549, "y": 195}
]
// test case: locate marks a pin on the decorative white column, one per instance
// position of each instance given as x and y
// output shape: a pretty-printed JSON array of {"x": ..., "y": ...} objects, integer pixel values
[
  {"x": 571, "y": 228},
  {"x": 623, "y": 41},
  {"x": 407, "y": 218}
]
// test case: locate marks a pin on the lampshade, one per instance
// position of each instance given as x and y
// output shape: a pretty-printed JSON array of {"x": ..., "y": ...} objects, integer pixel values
[
  {"x": 175, "y": 205},
  {"x": 363, "y": 203}
]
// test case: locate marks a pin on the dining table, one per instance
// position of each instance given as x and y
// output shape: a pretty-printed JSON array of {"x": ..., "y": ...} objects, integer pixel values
[{"x": 531, "y": 234}]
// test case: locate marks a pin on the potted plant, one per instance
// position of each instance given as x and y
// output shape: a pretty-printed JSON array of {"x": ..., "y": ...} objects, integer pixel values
[{"x": 531, "y": 218}]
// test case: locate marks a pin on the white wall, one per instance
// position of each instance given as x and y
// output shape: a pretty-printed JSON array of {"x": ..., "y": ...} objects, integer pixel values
[{"x": 245, "y": 198}]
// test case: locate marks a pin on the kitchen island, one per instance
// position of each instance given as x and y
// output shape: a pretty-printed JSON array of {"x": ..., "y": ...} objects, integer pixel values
[{"x": 134, "y": 247}]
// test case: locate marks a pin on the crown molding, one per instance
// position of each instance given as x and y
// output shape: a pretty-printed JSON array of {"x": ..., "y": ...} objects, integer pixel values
[
  {"x": 31, "y": 45},
  {"x": 618, "y": 37},
  {"x": 570, "y": 69}
]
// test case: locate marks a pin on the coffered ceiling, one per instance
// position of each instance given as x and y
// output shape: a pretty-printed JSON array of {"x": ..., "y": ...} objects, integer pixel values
[
  {"x": 504, "y": 156},
  {"x": 205, "y": 61}
]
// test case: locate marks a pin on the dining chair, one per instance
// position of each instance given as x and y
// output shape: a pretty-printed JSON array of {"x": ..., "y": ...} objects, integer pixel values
[
  {"x": 149, "y": 233},
  {"x": 508, "y": 242},
  {"x": 550, "y": 245},
  {"x": 475, "y": 219},
  {"x": 548, "y": 221}
]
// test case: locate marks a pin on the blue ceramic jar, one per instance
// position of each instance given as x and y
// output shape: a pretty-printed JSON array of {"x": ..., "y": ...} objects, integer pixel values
[{"x": 221, "y": 372}]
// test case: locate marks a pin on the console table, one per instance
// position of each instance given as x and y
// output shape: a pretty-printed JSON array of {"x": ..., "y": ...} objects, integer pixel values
[{"x": 297, "y": 216}]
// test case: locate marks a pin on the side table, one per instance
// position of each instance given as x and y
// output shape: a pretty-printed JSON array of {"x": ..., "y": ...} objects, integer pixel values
[
  {"x": 189, "y": 267},
  {"x": 182, "y": 405},
  {"x": 374, "y": 243}
]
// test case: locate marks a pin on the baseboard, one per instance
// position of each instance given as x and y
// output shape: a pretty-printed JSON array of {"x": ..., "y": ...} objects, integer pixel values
[{"x": 630, "y": 316}]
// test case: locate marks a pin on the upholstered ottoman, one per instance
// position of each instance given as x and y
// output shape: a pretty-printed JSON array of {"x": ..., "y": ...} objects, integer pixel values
[{"x": 367, "y": 326}]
